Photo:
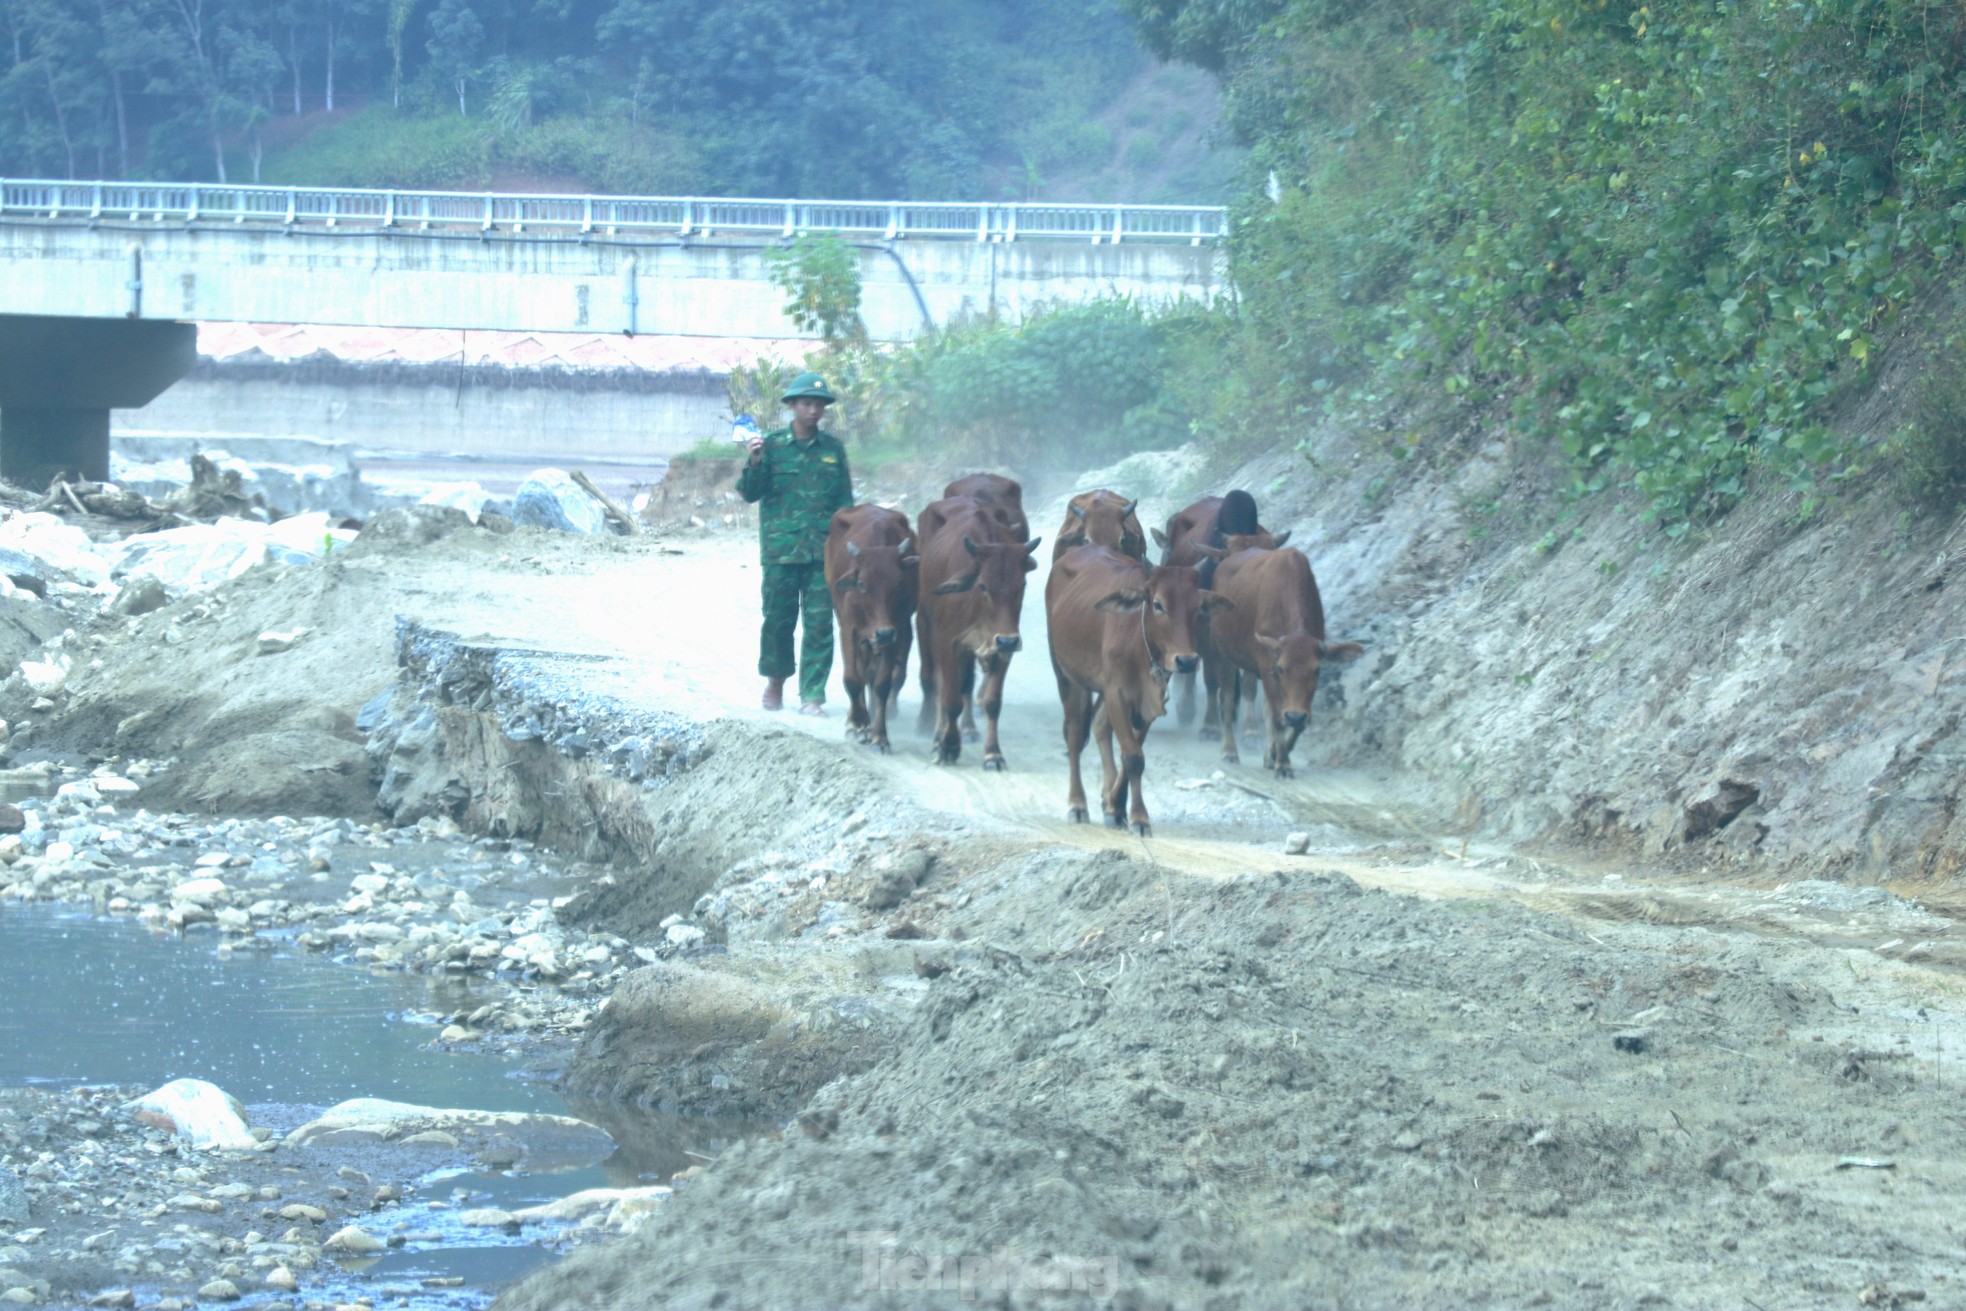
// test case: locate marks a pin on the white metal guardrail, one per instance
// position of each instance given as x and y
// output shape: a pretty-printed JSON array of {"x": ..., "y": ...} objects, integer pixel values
[{"x": 318, "y": 207}]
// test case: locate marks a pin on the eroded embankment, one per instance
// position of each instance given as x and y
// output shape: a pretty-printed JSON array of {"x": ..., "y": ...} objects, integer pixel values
[
  {"x": 1018, "y": 1068},
  {"x": 719, "y": 835}
]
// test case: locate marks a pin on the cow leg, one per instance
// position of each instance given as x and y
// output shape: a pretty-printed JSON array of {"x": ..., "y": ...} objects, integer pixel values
[
  {"x": 1211, "y": 677},
  {"x": 892, "y": 667},
  {"x": 853, "y": 675},
  {"x": 969, "y": 719},
  {"x": 1078, "y": 722},
  {"x": 991, "y": 695},
  {"x": 925, "y": 722},
  {"x": 1112, "y": 799},
  {"x": 1276, "y": 755},
  {"x": 948, "y": 705},
  {"x": 1231, "y": 696},
  {"x": 1256, "y": 700},
  {"x": 1131, "y": 732}
]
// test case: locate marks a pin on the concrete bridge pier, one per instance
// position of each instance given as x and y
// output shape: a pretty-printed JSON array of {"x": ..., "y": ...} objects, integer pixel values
[{"x": 59, "y": 379}]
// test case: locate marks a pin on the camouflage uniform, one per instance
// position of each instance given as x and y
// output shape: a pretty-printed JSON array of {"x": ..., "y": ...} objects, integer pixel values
[{"x": 798, "y": 485}]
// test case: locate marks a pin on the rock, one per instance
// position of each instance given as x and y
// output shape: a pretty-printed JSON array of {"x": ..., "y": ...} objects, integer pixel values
[
  {"x": 543, "y": 1139},
  {"x": 18, "y": 1296},
  {"x": 219, "y": 1290},
  {"x": 549, "y": 498},
  {"x": 1296, "y": 844},
  {"x": 141, "y": 595},
  {"x": 489, "y": 1217},
  {"x": 11, "y": 818},
  {"x": 196, "y": 558},
  {"x": 112, "y": 785},
  {"x": 468, "y": 497},
  {"x": 897, "y": 875},
  {"x": 587, "y": 1201},
  {"x": 281, "y": 1278},
  {"x": 116, "y": 1299},
  {"x": 199, "y": 1113},
  {"x": 273, "y": 643},
  {"x": 683, "y": 935},
  {"x": 355, "y": 1240},
  {"x": 59, "y": 851},
  {"x": 14, "y": 1209},
  {"x": 302, "y": 1211},
  {"x": 46, "y": 547},
  {"x": 201, "y": 892},
  {"x": 431, "y": 1137},
  {"x": 44, "y": 677}
]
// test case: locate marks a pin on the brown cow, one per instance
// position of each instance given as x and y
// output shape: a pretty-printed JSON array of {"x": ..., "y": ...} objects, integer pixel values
[
  {"x": 1119, "y": 630},
  {"x": 870, "y": 573},
  {"x": 1208, "y": 523},
  {"x": 1276, "y": 634},
  {"x": 972, "y": 594},
  {"x": 1101, "y": 518},
  {"x": 1004, "y": 497}
]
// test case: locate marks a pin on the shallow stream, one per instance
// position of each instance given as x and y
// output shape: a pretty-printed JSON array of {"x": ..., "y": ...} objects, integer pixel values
[{"x": 92, "y": 1001}]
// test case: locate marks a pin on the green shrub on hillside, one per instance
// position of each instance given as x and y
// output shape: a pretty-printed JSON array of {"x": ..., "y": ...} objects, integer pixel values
[
  {"x": 1928, "y": 456},
  {"x": 1664, "y": 236},
  {"x": 380, "y": 147}
]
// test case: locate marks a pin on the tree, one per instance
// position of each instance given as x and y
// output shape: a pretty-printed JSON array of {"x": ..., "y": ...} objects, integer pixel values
[{"x": 456, "y": 38}]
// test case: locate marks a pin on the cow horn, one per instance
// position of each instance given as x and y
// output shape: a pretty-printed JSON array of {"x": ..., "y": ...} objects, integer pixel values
[
  {"x": 907, "y": 544},
  {"x": 968, "y": 545},
  {"x": 853, "y": 549},
  {"x": 1128, "y": 507},
  {"x": 1077, "y": 510},
  {"x": 1032, "y": 545}
]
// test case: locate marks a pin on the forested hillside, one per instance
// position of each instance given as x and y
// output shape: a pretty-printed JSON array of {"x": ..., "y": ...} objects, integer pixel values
[
  {"x": 1662, "y": 243},
  {"x": 932, "y": 99}
]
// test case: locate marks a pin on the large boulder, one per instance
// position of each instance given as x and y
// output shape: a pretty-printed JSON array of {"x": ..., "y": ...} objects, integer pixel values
[
  {"x": 45, "y": 549},
  {"x": 542, "y": 1142},
  {"x": 549, "y": 498},
  {"x": 201, "y": 1114},
  {"x": 195, "y": 558}
]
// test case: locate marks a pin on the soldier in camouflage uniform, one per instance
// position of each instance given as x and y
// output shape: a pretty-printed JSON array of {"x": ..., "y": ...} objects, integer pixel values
[{"x": 798, "y": 477}]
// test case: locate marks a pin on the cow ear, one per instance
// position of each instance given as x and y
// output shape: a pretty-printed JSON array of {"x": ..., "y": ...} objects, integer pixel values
[
  {"x": 1030, "y": 564},
  {"x": 962, "y": 584},
  {"x": 1274, "y": 645},
  {"x": 1125, "y": 601},
  {"x": 968, "y": 545},
  {"x": 1208, "y": 552},
  {"x": 1205, "y": 574},
  {"x": 1076, "y": 539},
  {"x": 849, "y": 583},
  {"x": 1278, "y": 539},
  {"x": 1160, "y": 538},
  {"x": 1340, "y": 651},
  {"x": 1217, "y": 603}
]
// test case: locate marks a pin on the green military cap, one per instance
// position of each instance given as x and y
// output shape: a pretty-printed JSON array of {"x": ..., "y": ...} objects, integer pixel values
[{"x": 809, "y": 384}]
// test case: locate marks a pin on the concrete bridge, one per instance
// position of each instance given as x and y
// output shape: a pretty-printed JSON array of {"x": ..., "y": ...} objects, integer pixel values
[{"x": 100, "y": 282}]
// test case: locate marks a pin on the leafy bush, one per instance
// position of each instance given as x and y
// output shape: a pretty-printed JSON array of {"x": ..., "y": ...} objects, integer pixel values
[
  {"x": 1661, "y": 237},
  {"x": 1928, "y": 456},
  {"x": 379, "y": 147}
]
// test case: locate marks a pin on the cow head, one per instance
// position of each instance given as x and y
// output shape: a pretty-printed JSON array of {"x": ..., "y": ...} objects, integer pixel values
[
  {"x": 996, "y": 576},
  {"x": 1170, "y": 605},
  {"x": 869, "y": 591},
  {"x": 1294, "y": 663},
  {"x": 1103, "y": 518}
]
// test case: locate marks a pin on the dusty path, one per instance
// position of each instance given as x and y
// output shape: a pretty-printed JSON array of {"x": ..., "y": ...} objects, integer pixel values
[{"x": 675, "y": 625}]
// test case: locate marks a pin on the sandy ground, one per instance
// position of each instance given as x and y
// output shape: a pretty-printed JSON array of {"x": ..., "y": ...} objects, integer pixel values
[{"x": 1402, "y": 1068}]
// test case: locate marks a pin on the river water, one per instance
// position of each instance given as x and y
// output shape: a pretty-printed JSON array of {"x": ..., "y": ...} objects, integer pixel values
[{"x": 92, "y": 1000}]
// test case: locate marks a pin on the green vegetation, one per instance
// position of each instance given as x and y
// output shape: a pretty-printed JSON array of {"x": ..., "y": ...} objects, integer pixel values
[
  {"x": 935, "y": 99},
  {"x": 1929, "y": 456},
  {"x": 1661, "y": 239}
]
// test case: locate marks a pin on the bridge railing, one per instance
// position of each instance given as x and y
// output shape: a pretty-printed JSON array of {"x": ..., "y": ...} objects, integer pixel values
[{"x": 683, "y": 216}]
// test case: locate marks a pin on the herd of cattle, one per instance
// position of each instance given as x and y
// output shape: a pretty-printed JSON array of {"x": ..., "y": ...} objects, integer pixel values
[{"x": 1227, "y": 601}]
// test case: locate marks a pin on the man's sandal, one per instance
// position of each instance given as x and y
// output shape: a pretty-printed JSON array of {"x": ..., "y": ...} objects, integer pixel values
[
  {"x": 817, "y": 709},
  {"x": 774, "y": 698}
]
